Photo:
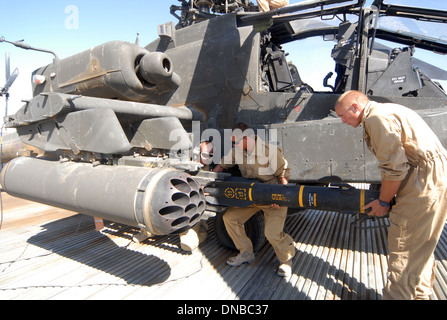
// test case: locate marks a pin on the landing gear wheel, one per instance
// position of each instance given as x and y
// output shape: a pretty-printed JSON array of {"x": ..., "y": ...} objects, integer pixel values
[{"x": 254, "y": 228}]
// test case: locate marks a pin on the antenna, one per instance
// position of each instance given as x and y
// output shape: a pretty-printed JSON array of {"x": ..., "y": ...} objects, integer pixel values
[
  {"x": 23, "y": 45},
  {"x": 11, "y": 78}
]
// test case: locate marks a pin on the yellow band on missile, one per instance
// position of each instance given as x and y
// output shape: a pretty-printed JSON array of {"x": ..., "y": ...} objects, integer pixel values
[
  {"x": 301, "y": 196},
  {"x": 362, "y": 201},
  {"x": 249, "y": 192}
]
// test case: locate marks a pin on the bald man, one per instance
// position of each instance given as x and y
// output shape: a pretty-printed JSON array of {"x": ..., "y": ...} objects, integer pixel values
[{"x": 413, "y": 164}]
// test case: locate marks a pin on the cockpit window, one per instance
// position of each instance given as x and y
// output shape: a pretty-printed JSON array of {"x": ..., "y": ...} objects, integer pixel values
[
  {"x": 425, "y": 19},
  {"x": 430, "y": 4},
  {"x": 417, "y": 28}
]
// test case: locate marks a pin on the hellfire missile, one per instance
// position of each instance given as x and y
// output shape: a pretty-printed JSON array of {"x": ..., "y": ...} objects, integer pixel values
[{"x": 336, "y": 198}]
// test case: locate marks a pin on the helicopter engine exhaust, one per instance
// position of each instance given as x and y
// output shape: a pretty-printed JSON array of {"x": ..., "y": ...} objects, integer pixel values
[
  {"x": 161, "y": 201},
  {"x": 114, "y": 70}
]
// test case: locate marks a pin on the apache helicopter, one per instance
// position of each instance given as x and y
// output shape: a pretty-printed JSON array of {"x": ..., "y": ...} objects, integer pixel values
[{"x": 120, "y": 125}]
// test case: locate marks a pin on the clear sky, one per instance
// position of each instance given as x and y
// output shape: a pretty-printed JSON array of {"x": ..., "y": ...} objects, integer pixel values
[
  {"x": 71, "y": 26},
  {"x": 68, "y": 27}
]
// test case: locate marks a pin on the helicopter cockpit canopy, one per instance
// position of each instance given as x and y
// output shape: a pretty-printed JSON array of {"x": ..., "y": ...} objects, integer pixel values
[
  {"x": 423, "y": 27},
  {"x": 355, "y": 28}
]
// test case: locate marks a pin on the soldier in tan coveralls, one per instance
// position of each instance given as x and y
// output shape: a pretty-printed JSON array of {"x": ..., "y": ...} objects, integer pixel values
[
  {"x": 413, "y": 164},
  {"x": 263, "y": 162},
  {"x": 267, "y": 5}
]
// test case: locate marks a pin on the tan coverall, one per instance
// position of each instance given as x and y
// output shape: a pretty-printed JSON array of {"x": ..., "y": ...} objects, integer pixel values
[
  {"x": 409, "y": 151},
  {"x": 267, "y": 5},
  {"x": 267, "y": 167}
]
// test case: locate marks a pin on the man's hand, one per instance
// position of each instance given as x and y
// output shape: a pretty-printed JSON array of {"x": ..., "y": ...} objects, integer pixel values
[
  {"x": 376, "y": 209},
  {"x": 387, "y": 192}
]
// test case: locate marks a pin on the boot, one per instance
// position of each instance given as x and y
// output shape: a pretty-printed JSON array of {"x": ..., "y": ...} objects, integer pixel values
[
  {"x": 285, "y": 269},
  {"x": 241, "y": 258},
  {"x": 192, "y": 238}
]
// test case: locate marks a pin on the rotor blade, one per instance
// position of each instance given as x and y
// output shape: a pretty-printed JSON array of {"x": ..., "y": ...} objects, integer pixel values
[
  {"x": 7, "y": 66},
  {"x": 11, "y": 80}
]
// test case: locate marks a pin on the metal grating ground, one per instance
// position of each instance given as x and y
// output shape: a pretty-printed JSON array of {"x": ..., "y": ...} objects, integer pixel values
[{"x": 48, "y": 253}]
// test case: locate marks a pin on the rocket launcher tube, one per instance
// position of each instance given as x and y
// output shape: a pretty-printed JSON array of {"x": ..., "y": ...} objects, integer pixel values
[
  {"x": 242, "y": 194},
  {"x": 161, "y": 201}
]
